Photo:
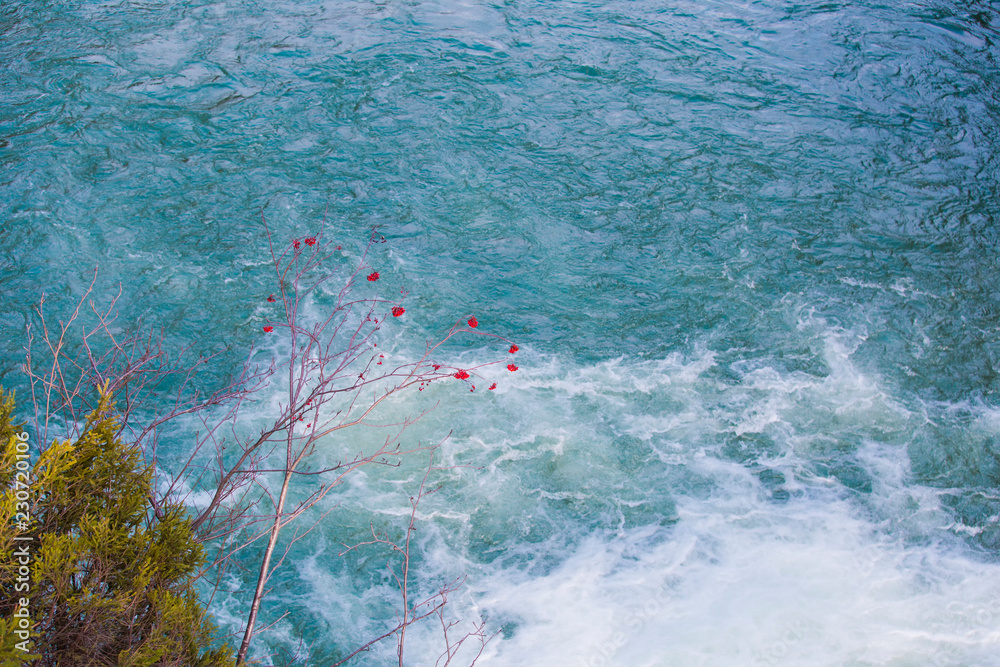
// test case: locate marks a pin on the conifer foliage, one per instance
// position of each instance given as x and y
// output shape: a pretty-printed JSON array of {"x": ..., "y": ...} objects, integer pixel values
[{"x": 111, "y": 582}]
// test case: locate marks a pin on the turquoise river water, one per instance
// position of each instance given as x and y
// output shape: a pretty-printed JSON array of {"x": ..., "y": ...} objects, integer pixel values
[{"x": 749, "y": 251}]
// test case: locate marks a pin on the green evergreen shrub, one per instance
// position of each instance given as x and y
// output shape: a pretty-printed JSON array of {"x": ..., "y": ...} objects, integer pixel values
[{"x": 111, "y": 583}]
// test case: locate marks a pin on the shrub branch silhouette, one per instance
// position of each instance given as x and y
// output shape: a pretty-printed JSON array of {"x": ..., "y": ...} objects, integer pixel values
[{"x": 332, "y": 377}]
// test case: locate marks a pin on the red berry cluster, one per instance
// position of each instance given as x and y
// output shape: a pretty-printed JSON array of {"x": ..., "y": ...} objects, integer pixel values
[{"x": 398, "y": 311}]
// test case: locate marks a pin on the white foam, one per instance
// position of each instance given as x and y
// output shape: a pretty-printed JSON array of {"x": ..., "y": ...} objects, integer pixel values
[
  {"x": 602, "y": 522},
  {"x": 821, "y": 579},
  {"x": 769, "y": 585}
]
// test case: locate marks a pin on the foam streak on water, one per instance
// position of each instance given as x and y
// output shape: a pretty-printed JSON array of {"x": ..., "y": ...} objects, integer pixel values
[
  {"x": 748, "y": 250},
  {"x": 650, "y": 542}
]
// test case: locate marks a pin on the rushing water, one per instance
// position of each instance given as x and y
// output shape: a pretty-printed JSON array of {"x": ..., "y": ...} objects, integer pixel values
[{"x": 748, "y": 249}]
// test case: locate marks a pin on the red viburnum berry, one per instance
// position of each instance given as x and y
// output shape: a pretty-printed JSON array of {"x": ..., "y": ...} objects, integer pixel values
[
  {"x": 311, "y": 241},
  {"x": 511, "y": 367},
  {"x": 513, "y": 348},
  {"x": 493, "y": 386},
  {"x": 462, "y": 375},
  {"x": 268, "y": 329},
  {"x": 473, "y": 322},
  {"x": 373, "y": 276},
  {"x": 271, "y": 299},
  {"x": 397, "y": 311},
  {"x": 296, "y": 244}
]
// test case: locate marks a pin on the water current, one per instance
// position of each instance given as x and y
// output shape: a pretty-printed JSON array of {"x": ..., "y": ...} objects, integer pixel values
[{"x": 749, "y": 251}]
